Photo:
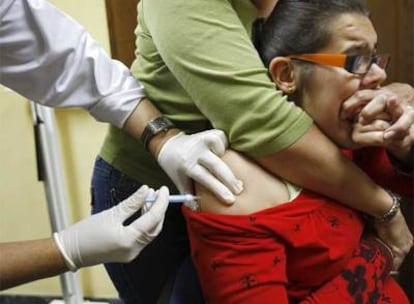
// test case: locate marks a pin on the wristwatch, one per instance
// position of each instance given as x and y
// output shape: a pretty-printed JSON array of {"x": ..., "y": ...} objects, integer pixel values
[{"x": 154, "y": 127}]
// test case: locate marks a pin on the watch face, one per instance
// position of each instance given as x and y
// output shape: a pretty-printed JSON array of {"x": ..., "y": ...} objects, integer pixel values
[
  {"x": 154, "y": 127},
  {"x": 161, "y": 124}
]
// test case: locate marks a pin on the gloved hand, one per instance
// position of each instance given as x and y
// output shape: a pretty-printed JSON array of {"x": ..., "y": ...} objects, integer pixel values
[
  {"x": 197, "y": 156},
  {"x": 103, "y": 238}
]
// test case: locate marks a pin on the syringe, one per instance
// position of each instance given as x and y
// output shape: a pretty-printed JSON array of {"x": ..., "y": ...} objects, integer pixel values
[{"x": 174, "y": 199}]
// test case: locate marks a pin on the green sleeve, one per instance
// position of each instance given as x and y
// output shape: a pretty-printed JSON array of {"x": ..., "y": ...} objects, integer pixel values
[{"x": 207, "y": 47}]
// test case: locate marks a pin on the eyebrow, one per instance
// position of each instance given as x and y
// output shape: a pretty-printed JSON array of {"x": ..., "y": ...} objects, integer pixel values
[{"x": 363, "y": 46}]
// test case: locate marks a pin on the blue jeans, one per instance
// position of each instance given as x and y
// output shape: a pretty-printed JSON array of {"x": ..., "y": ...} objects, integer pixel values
[{"x": 152, "y": 275}]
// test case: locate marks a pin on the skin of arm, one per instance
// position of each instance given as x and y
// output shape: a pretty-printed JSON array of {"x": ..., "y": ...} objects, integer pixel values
[
  {"x": 62, "y": 70},
  {"x": 262, "y": 189},
  {"x": 72, "y": 248},
  {"x": 136, "y": 122},
  {"x": 294, "y": 160},
  {"x": 73, "y": 70},
  {"x": 111, "y": 93},
  {"x": 333, "y": 175},
  {"x": 253, "y": 179},
  {"x": 26, "y": 261}
]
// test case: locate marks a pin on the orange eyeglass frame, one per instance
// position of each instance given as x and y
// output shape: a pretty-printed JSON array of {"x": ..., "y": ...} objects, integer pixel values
[{"x": 342, "y": 60}]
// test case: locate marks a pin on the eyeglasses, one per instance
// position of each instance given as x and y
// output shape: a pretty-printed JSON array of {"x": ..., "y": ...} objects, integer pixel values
[{"x": 356, "y": 64}]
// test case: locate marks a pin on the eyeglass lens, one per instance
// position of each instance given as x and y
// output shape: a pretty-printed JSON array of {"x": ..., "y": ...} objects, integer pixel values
[{"x": 362, "y": 64}]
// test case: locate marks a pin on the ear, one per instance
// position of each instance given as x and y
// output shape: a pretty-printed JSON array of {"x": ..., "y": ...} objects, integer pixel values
[{"x": 281, "y": 70}]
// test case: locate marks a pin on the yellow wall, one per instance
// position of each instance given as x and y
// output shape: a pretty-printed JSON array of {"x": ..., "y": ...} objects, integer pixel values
[{"x": 23, "y": 210}]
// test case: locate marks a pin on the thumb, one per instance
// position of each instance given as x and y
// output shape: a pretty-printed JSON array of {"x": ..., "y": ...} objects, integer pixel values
[
  {"x": 216, "y": 140},
  {"x": 155, "y": 214},
  {"x": 133, "y": 203}
]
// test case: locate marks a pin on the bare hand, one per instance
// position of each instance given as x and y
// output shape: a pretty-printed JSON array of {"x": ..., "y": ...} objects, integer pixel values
[
  {"x": 404, "y": 93},
  {"x": 385, "y": 121},
  {"x": 383, "y": 117},
  {"x": 397, "y": 236}
]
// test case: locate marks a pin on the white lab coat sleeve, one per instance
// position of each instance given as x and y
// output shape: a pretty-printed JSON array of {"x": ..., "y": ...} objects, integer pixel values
[{"x": 49, "y": 58}]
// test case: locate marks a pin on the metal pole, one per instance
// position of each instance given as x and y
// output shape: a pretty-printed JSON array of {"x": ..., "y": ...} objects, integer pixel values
[{"x": 51, "y": 173}]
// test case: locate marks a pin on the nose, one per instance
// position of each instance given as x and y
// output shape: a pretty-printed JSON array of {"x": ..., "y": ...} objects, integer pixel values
[{"x": 375, "y": 76}]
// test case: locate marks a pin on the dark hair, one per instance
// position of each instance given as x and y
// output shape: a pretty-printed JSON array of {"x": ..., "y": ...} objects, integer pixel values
[{"x": 300, "y": 26}]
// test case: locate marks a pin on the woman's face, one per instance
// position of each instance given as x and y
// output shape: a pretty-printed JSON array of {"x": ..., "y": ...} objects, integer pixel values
[{"x": 328, "y": 87}]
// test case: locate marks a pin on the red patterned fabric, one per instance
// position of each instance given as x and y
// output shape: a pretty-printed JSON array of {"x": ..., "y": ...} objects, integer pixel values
[
  {"x": 276, "y": 253},
  {"x": 364, "y": 280},
  {"x": 305, "y": 251}
]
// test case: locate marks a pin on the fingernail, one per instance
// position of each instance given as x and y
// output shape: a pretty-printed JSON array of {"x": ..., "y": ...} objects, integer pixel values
[
  {"x": 389, "y": 134},
  {"x": 230, "y": 199},
  {"x": 238, "y": 186}
]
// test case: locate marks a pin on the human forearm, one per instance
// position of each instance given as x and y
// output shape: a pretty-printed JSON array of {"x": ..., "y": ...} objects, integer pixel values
[
  {"x": 136, "y": 122},
  {"x": 315, "y": 163},
  {"x": 187, "y": 156},
  {"x": 22, "y": 262},
  {"x": 227, "y": 87},
  {"x": 72, "y": 248},
  {"x": 50, "y": 58}
]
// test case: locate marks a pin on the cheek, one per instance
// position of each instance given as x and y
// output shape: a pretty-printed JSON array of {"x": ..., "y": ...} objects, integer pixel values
[
  {"x": 329, "y": 87},
  {"x": 323, "y": 99}
]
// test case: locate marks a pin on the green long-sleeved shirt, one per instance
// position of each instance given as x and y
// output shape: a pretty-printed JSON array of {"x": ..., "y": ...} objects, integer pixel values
[{"x": 198, "y": 65}]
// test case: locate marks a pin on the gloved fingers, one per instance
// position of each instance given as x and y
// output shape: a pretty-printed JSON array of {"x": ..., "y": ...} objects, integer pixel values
[
  {"x": 183, "y": 182},
  {"x": 221, "y": 171},
  {"x": 208, "y": 180},
  {"x": 133, "y": 203},
  {"x": 145, "y": 237},
  {"x": 216, "y": 140},
  {"x": 147, "y": 206},
  {"x": 155, "y": 214}
]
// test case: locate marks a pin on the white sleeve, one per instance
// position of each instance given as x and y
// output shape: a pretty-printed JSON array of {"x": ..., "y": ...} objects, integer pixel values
[{"x": 49, "y": 58}]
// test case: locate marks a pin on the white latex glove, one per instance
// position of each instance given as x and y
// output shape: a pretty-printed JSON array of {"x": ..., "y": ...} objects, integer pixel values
[
  {"x": 103, "y": 238},
  {"x": 197, "y": 156}
]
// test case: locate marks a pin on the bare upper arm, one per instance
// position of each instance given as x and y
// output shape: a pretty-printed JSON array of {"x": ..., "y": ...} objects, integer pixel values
[{"x": 261, "y": 190}]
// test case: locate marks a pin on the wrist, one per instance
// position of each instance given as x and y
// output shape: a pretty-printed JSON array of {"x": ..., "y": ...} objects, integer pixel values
[
  {"x": 155, "y": 128},
  {"x": 389, "y": 214},
  {"x": 68, "y": 261},
  {"x": 157, "y": 142}
]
